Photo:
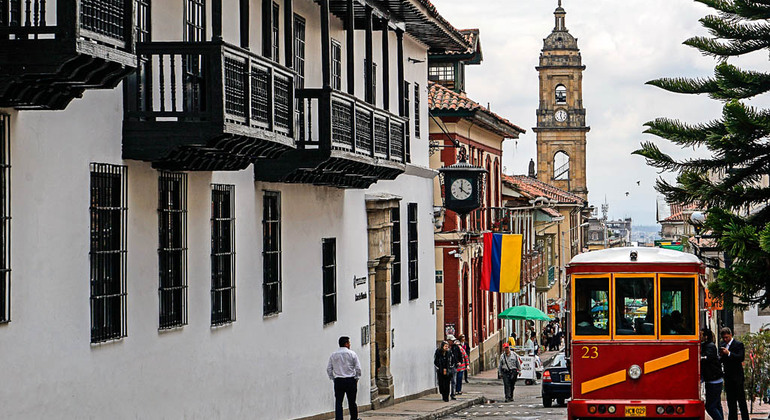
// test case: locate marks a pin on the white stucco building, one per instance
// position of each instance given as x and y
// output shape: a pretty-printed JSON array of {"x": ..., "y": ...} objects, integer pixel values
[{"x": 190, "y": 237}]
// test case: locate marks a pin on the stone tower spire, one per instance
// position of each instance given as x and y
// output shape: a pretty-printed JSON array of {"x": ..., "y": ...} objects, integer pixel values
[{"x": 561, "y": 117}]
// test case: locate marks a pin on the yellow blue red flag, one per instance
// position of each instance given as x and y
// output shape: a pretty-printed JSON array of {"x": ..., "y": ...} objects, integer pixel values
[{"x": 501, "y": 266}]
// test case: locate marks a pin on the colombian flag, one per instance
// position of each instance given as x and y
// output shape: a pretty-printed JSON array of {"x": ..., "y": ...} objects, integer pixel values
[{"x": 501, "y": 267}]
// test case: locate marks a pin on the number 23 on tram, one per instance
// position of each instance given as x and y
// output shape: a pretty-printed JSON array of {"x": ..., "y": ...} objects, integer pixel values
[{"x": 634, "y": 335}]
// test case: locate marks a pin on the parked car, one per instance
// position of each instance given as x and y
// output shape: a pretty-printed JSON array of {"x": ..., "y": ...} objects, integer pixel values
[{"x": 557, "y": 381}]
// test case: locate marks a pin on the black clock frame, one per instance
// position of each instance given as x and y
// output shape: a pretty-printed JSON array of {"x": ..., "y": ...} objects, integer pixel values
[{"x": 463, "y": 170}]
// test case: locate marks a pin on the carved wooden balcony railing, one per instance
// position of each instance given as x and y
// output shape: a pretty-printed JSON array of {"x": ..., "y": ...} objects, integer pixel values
[
  {"x": 51, "y": 51},
  {"x": 343, "y": 142},
  {"x": 206, "y": 106}
]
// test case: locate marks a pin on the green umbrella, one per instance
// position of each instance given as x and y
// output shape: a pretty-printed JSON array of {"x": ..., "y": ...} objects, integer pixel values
[{"x": 524, "y": 312}]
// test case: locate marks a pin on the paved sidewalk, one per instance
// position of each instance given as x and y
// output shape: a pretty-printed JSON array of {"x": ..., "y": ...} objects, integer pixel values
[{"x": 433, "y": 407}]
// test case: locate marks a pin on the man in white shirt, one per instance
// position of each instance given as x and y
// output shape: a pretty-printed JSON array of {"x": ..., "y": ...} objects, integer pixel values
[{"x": 344, "y": 369}]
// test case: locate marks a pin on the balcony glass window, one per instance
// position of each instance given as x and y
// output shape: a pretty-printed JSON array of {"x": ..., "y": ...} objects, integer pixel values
[
  {"x": 336, "y": 65},
  {"x": 591, "y": 306},
  {"x": 222, "y": 254},
  {"x": 276, "y": 32},
  {"x": 634, "y": 306},
  {"x": 194, "y": 20},
  {"x": 271, "y": 252},
  {"x": 108, "y": 251}
]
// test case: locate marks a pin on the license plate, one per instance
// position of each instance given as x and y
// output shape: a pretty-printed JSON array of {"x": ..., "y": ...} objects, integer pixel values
[
  {"x": 636, "y": 411},
  {"x": 568, "y": 378}
]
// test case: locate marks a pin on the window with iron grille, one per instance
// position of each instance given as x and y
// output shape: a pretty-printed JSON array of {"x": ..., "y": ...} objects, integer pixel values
[
  {"x": 172, "y": 249},
  {"x": 5, "y": 218},
  {"x": 108, "y": 251},
  {"x": 443, "y": 73},
  {"x": 276, "y": 32},
  {"x": 143, "y": 20},
  {"x": 222, "y": 254},
  {"x": 336, "y": 65},
  {"x": 271, "y": 252},
  {"x": 194, "y": 20},
  {"x": 416, "y": 110},
  {"x": 412, "y": 250},
  {"x": 395, "y": 249},
  {"x": 329, "y": 251}
]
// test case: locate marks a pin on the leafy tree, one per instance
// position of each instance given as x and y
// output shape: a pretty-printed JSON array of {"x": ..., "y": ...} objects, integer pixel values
[
  {"x": 756, "y": 367},
  {"x": 728, "y": 183}
]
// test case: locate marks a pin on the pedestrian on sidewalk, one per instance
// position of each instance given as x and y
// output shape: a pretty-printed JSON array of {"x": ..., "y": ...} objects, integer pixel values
[
  {"x": 467, "y": 349},
  {"x": 462, "y": 367},
  {"x": 731, "y": 354},
  {"x": 344, "y": 369},
  {"x": 442, "y": 360},
  {"x": 509, "y": 370},
  {"x": 711, "y": 374},
  {"x": 456, "y": 357}
]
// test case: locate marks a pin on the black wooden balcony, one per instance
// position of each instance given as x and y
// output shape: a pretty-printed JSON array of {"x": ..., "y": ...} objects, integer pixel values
[
  {"x": 51, "y": 51},
  {"x": 206, "y": 106},
  {"x": 343, "y": 142}
]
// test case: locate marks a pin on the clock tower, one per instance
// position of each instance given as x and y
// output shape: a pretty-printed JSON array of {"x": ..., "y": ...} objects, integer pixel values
[{"x": 561, "y": 119}]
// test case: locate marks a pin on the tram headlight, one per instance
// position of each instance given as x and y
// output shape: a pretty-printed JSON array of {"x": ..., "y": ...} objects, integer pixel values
[
  {"x": 611, "y": 409},
  {"x": 635, "y": 372},
  {"x": 591, "y": 409},
  {"x": 660, "y": 409},
  {"x": 679, "y": 409}
]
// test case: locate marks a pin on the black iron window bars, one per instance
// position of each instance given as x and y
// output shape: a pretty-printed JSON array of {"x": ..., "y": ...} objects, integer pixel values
[
  {"x": 329, "y": 251},
  {"x": 172, "y": 249},
  {"x": 395, "y": 249},
  {"x": 5, "y": 218},
  {"x": 271, "y": 253},
  {"x": 222, "y": 254},
  {"x": 412, "y": 251},
  {"x": 109, "y": 192}
]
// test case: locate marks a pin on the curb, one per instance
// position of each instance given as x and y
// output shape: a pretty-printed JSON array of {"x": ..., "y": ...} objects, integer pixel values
[{"x": 450, "y": 410}]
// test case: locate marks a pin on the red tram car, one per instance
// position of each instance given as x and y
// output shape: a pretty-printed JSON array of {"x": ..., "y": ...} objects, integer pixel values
[{"x": 633, "y": 326}]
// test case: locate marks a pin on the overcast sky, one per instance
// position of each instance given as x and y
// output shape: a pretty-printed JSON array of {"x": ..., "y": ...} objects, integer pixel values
[{"x": 623, "y": 44}]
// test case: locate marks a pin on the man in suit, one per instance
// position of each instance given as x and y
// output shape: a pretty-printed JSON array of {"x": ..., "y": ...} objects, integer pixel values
[{"x": 731, "y": 354}]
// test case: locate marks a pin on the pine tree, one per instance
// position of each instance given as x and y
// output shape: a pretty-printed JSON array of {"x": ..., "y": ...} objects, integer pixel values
[{"x": 729, "y": 183}]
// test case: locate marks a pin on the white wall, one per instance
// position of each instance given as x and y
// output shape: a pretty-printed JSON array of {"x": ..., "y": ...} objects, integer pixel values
[{"x": 270, "y": 367}]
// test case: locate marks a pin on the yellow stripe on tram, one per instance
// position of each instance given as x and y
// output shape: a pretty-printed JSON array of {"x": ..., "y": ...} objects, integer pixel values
[
  {"x": 666, "y": 361},
  {"x": 603, "y": 382}
]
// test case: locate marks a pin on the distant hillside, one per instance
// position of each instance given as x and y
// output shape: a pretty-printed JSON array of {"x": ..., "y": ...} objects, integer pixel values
[{"x": 647, "y": 228}]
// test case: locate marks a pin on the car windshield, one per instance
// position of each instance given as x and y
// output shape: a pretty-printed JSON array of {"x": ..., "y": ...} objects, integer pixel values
[{"x": 558, "y": 361}]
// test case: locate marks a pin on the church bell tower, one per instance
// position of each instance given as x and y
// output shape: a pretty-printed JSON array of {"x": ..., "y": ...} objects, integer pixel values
[{"x": 561, "y": 119}]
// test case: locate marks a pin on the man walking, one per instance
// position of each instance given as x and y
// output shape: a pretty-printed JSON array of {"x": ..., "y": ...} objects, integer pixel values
[
  {"x": 509, "y": 370},
  {"x": 456, "y": 358},
  {"x": 731, "y": 354},
  {"x": 344, "y": 369}
]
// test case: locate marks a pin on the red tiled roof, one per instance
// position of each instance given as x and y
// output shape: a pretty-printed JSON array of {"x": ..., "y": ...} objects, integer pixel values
[
  {"x": 441, "y": 98},
  {"x": 680, "y": 212},
  {"x": 532, "y": 188},
  {"x": 549, "y": 211},
  {"x": 472, "y": 38}
]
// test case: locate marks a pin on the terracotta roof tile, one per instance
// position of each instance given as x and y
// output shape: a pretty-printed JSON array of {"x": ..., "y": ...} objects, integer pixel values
[
  {"x": 434, "y": 12},
  {"x": 532, "y": 188},
  {"x": 441, "y": 98}
]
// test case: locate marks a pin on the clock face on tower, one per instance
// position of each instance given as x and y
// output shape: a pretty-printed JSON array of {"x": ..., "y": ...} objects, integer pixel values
[
  {"x": 461, "y": 189},
  {"x": 561, "y": 115}
]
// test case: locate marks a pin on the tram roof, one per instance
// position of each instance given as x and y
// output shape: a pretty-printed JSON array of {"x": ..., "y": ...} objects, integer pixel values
[{"x": 644, "y": 256}]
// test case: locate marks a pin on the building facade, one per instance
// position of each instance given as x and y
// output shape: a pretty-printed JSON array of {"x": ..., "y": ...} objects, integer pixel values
[
  {"x": 458, "y": 122},
  {"x": 561, "y": 117},
  {"x": 200, "y": 197}
]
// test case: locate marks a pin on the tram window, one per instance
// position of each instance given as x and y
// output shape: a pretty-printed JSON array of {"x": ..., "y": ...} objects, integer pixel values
[
  {"x": 677, "y": 306},
  {"x": 591, "y": 303},
  {"x": 634, "y": 306}
]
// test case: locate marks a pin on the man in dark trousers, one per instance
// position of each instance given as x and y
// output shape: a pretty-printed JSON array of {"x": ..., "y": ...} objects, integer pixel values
[
  {"x": 731, "y": 354},
  {"x": 344, "y": 369}
]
